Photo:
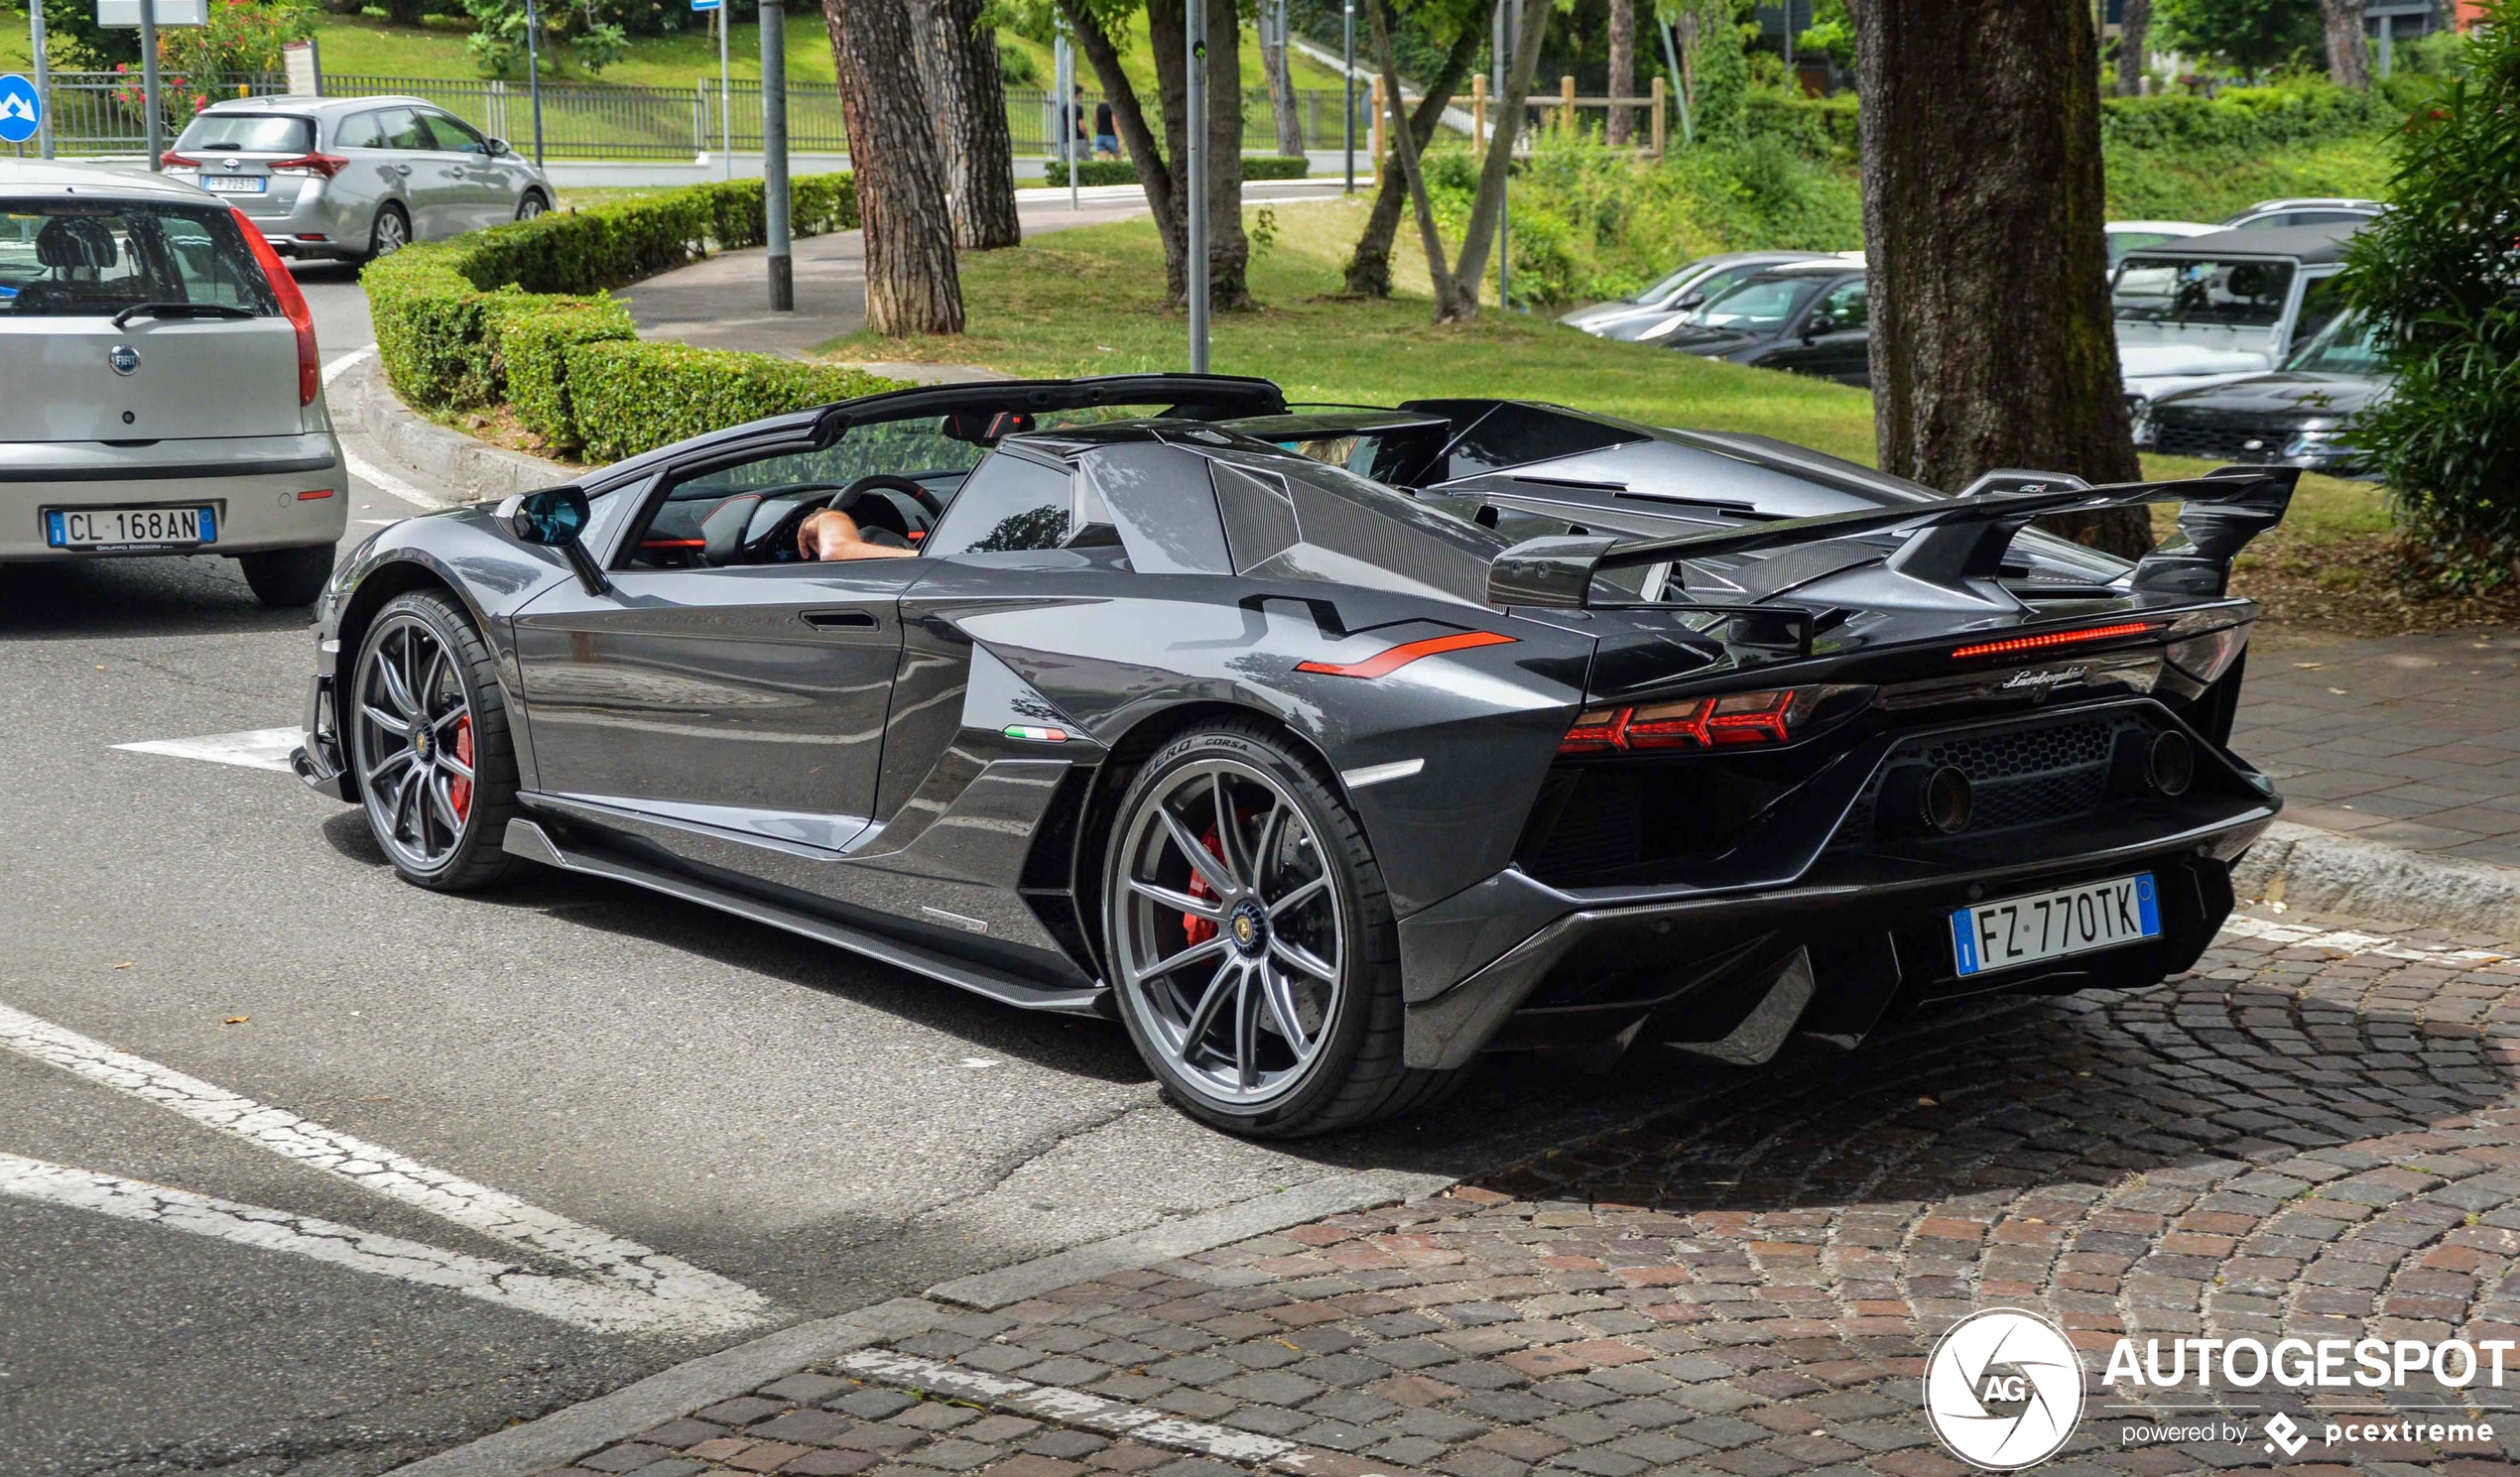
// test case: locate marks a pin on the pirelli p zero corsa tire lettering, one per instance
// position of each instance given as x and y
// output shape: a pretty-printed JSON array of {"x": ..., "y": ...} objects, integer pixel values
[
  {"x": 426, "y": 729},
  {"x": 1254, "y": 956}
]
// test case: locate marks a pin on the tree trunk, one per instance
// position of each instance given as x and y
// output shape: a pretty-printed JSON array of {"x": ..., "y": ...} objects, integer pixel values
[
  {"x": 1622, "y": 125},
  {"x": 966, "y": 108},
  {"x": 1403, "y": 151},
  {"x": 1283, "y": 103},
  {"x": 1228, "y": 249},
  {"x": 1146, "y": 156},
  {"x": 1369, "y": 264},
  {"x": 2348, "y": 50},
  {"x": 1992, "y": 339},
  {"x": 912, "y": 286},
  {"x": 1487, "y": 205},
  {"x": 2134, "y": 38}
]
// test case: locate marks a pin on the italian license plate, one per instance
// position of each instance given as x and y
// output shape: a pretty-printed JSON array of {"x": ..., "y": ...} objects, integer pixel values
[
  {"x": 2012, "y": 932},
  {"x": 129, "y": 527},
  {"x": 234, "y": 184}
]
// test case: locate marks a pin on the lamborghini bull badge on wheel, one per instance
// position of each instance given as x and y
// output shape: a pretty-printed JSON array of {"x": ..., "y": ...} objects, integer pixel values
[{"x": 1326, "y": 749}]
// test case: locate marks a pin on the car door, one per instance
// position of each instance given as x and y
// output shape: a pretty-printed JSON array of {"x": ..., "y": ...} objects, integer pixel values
[
  {"x": 483, "y": 185},
  {"x": 431, "y": 181},
  {"x": 366, "y": 181}
]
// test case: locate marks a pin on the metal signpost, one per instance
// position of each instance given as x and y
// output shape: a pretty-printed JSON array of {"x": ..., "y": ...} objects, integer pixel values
[
  {"x": 716, "y": 12},
  {"x": 1348, "y": 87},
  {"x": 533, "y": 75},
  {"x": 42, "y": 81},
  {"x": 1063, "y": 65},
  {"x": 1197, "y": 112},
  {"x": 149, "y": 15},
  {"x": 774, "y": 155},
  {"x": 1509, "y": 24}
]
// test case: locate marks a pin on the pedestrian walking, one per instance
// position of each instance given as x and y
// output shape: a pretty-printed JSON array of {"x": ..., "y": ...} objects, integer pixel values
[{"x": 1106, "y": 131}]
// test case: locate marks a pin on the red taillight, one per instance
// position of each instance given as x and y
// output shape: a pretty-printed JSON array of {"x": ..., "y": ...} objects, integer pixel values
[
  {"x": 314, "y": 495},
  {"x": 2050, "y": 638},
  {"x": 293, "y": 305},
  {"x": 174, "y": 161},
  {"x": 1725, "y": 721},
  {"x": 324, "y": 164}
]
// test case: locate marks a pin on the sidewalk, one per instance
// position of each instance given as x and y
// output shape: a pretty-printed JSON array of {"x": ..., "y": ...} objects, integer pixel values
[
  {"x": 2315, "y": 1135},
  {"x": 2413, "y": 740}
]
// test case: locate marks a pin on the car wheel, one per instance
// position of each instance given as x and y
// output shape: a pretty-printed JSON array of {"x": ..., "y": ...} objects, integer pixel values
[
  {"x": 1252, "y": 947},
  {"x": 428, "y": 743},
  {"x": 532, "y": 205},
  {"x": 287, "y": 579},
  {"x": 391, "y": 233}
]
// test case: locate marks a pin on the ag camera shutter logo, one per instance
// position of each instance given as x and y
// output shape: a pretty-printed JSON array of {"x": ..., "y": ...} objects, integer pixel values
[{"x": 2003, "y": 1388}]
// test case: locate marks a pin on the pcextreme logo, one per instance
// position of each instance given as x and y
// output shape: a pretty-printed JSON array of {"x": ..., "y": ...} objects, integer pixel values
[{"x": 2003, "y": 1388}]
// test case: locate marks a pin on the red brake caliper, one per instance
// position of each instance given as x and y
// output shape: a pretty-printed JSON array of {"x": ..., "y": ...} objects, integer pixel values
[
  {"x": 460, "y": 791},
  {"x": 1195, "y": 929}
]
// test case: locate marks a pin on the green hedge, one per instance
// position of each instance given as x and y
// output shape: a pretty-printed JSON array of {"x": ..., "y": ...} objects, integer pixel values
[
  {"x": 628, "y": 396},
  {"x": 507, "y": 315},
  {"x": 1121, "y": 171},
  {"x": 2242, "y": 119}
]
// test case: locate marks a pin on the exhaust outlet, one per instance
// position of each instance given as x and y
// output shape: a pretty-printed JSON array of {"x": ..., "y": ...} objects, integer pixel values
[
  {"x": 1928, "y": 802},
  {"x": 2162, "y": 764}
]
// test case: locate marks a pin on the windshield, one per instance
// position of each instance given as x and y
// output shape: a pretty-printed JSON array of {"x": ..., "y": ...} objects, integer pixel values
[
  {"x": 1761, "y": 305},
  {"x": 96, "y": 258},
  {"x": 2347, "y": 346},
  {"x": 1661, "y": 290},
  {"x": 246, "y": 133},
  {"x": 2245, "y": 294}
]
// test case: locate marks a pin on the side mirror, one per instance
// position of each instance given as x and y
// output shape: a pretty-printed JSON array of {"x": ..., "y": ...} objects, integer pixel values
[
  {"x": 499, "y": 148},
  {"x": 1686, "y": 301},
  {"x": 555, "y": 515}
]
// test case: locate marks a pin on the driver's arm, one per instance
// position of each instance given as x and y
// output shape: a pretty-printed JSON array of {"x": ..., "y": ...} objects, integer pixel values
[{"x": 832, "y": 535}]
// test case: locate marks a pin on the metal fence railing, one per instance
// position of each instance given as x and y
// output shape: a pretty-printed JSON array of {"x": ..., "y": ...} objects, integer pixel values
[{"x": 100, "y": 112}]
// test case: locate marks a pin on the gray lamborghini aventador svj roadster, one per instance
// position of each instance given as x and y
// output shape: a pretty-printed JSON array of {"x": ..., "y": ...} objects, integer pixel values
[{"x": 1325, "y": 748}]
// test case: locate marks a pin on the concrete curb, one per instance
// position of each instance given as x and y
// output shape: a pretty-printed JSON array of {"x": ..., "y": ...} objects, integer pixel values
[
  {"x": 2320, "y": 871},
  {"x": 669, "y": 1394},
  {"x": 363, "y": 402}
]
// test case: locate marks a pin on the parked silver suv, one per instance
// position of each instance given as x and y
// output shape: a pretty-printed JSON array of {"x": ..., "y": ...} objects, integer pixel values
[
  {"x": 160, "y": 391},
  {"x": 354, "y": 177}
]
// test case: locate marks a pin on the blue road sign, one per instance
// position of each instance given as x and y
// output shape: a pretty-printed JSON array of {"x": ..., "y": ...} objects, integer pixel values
[
  {"x": 708, "y": 4},
  {"x": 21, "y": 109}
]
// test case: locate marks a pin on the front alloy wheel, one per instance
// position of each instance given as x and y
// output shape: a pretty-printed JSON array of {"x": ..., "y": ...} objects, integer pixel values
[{"x": 430, "y": 747}]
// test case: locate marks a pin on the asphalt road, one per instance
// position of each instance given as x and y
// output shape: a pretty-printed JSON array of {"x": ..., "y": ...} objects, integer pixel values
[{"x": 806, "y": 1131}]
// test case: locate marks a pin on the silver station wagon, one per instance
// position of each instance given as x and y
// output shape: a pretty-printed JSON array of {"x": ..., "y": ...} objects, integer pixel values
[
  {"x": 354, "y": 177},
  {"x": 160, "y": 391}
]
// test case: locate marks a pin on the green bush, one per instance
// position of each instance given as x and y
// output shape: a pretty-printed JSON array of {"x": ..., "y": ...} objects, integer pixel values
[
  {"x": 1274, "y": 167},
  {"x": 2439, "y": 278},
  {"x": 1121, "y": 171},
  {"x": 632, "y": 397},
  {"x": 495, "y": 316}
]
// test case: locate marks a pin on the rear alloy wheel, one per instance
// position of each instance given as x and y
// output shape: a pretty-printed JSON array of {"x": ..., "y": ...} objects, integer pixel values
[
  {"x": 1253, "y": 951},
  {"x": 428, "y": 742},
  {"x": 532, "y": 205},
  {"x": 288, "y": 578},
  {"x": 391, "y": 233}
]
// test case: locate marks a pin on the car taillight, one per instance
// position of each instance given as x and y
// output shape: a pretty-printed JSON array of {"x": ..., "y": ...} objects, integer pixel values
[
  {"x": 325, "y": 165},
  {"x": 1724, "y": 721},
  {"x": 2207, "y": 657},
  {"x": 2048, "y": 639},
  {"x": 175, "y": 160},
  {"x": 293, "y": 305}
]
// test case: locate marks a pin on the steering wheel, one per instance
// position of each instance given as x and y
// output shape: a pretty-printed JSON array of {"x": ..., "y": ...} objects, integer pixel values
[{"x": 889, "y": 482}]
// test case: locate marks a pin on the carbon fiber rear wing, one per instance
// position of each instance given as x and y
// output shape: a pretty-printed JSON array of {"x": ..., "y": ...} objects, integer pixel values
[{"x": 1956, "y": 540}]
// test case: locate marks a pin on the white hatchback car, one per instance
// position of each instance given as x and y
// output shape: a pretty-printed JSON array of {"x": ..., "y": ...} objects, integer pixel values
[{"x": 160, "y": 391}]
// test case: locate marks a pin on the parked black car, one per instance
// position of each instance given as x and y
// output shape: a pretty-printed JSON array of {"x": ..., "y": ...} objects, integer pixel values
[
  {"x": 1807, "y": 317},
  {"x": 2298, "y": 416}
]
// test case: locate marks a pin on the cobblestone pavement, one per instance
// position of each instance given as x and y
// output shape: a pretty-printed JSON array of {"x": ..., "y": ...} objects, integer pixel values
[
  {"x": 2314, "y": 1135},
  {"x": 2411, "y": 740}
]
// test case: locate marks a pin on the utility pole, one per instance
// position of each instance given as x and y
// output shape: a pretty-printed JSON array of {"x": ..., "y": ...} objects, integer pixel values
[
  {"x": 1347, "y": 85},
  {"x": 774, "y": 155},
  {"x": 44, "y": 81},
  {"x": 1198, "y": 133},
  {"x": 725, "y": 99},
  {"x": 533, "y": 75},
  {"x": 1508, "y": 24},
  {"x": 1064, "y": 66},
  {"x": 149, "y": 82}
]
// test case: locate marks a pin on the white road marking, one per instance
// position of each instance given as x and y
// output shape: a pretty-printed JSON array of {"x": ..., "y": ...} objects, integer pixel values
[
  {"x": 341, "y": 366},
  {"x": 2348, "y": 941},
  {"x": 671, "y": 1296},
  {"x": 386, "y": 482},
  {"x": 1075, "y": 1408},
  {"x": 255, "y": 748},
  {"x": 587, "y": 1305}
]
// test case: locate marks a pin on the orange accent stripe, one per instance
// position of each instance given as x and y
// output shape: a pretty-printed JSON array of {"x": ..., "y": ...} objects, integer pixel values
[
  {"x": 1391, "y": 659},
  {"x": 2052, "y": 638}
]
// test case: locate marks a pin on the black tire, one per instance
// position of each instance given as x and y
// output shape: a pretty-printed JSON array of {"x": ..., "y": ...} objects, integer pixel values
[
  {"x": 473, "y": 859},
  {"x": 1357, "y": 1073},
  {"x": 531, "y": 205},
  {"x": 384, "y": 240},
  {"x": 288, "y": 578}
]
